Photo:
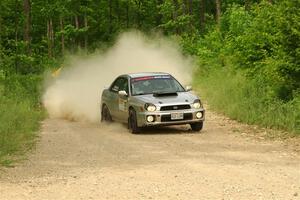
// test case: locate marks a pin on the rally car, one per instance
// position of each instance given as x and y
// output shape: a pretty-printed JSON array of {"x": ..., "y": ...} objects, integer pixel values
[{"x": 151, "y": 99}]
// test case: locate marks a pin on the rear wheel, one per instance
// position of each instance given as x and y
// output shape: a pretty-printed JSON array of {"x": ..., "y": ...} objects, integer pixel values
[
  {"x": 105, "y": 114},
  {"x": 132, "y": 122},
  {"x": 197, "y": 126}
]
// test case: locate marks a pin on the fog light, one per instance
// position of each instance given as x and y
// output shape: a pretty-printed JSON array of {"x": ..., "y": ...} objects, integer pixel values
[
  {"x": 150, "y": 118},
  {"x": 199, "y": 115}
]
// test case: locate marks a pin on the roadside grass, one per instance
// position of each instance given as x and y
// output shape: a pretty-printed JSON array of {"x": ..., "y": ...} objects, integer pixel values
[
  {"x": 247, "y": 101},
  {"x": 20, "y": 116}
]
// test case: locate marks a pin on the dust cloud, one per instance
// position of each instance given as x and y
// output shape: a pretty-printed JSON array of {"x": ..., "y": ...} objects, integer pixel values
[{"x": 76, "y": 93}]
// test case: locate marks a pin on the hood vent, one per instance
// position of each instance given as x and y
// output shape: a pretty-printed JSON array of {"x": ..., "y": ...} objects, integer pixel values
[{"x": 165, "y": 94}]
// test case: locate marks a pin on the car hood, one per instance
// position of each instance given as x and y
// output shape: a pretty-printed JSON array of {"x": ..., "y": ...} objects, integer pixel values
[{"x": 180, "y": 98}]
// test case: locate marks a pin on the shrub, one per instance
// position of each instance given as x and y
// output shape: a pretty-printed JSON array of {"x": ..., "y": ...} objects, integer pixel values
[
  {"x": 20, "y": 116},
  {"x": 249, "y": 66}
]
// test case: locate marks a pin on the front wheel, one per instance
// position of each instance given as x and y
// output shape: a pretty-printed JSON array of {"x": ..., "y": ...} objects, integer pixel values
[
  {"x": 197, "y": 126},
  {"x": 132, "y": 122},
  {"x": 105, "y": 114}
]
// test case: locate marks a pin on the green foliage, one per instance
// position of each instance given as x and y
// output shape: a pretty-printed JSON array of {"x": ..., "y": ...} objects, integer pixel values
[
  {"x": 251, "y": 63},
  {"x": 264, "y": 42},
  {"x": 20, "y": 115},
  {"x": 248, "y": 101}
]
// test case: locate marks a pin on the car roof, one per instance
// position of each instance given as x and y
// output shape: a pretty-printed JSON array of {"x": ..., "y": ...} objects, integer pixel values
[{"x": 143, "y": 74}]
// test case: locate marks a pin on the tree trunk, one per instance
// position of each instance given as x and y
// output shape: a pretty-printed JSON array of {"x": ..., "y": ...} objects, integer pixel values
[
  {"x": 86, "y": 33},
  {"x": 48, "y": 39},
  {"x": 110, "y": 16},
  {"x": 50, "y": 36},
  {"x": 16, "y": 36},
  {"x": 127, "y": 14},
  {"x": 76, "y": 22},
  {"x": 159, "y": 15},
  {"x": 118, "y": 11},
  {"x": 76, "y": 42},
  {"x": 27, "y": 28},
  {"x": 247, "y": 5},
  {"x": 218, "y": 12},
  {"x": 202, "y": 15},
  {"x": 0, "y": 30},
  {"x": 190, "y": 7},
  {"x": 138, "y": 20},
  {"x": 175, "y": 13},
  {"x": 52, "y": 33},
  {"x": 62, "y": 29},
  {"x": 184, "y": 7},
  {"x": 176, "y": 9},
  {"x": 1, "y": 21}
]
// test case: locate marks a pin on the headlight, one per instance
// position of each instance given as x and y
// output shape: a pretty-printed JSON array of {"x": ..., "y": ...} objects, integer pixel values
[
  {"x": 197, "y": 104},
  {"x": 150, "y": 107},
  {"x": 199, "y": 115},
  {"x": 150, "y": 118}
]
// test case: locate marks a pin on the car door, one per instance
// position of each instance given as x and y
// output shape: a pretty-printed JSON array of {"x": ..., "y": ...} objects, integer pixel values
[
  {"x": 123, "y": 101},
  {"x": 113, "y": 104},
  {"x": 117, "y": 104}
]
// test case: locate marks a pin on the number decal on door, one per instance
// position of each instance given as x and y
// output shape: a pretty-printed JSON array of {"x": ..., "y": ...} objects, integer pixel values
[{"x": 122, "y": 104}]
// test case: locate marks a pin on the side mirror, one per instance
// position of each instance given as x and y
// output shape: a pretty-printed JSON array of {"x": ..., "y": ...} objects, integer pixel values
[
  {"x": 123, "y": 93},
  {"x": 188, "y": 88}
]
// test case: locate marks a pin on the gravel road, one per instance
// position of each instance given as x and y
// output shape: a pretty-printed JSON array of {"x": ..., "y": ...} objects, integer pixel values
[{"x": 75, "y": 160}]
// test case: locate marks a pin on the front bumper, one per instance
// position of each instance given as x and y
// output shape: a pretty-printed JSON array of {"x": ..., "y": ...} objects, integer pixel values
[{"x": 163, "y": 118}]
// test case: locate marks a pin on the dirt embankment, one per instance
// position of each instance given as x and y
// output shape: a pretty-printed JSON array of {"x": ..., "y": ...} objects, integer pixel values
[{"x": 76, "y": 160}]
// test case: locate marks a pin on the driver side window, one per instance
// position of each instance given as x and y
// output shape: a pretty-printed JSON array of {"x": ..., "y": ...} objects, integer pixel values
[
  {"x": 120, "y": 84},
  {"x": 124, "y": 85}
]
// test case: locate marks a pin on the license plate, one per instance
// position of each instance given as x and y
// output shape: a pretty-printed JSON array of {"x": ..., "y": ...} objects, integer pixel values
[{"x": 175, "y": 116}]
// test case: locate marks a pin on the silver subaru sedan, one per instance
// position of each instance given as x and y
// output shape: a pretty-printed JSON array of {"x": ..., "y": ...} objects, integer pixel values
[{"x": 151, "y": 99}]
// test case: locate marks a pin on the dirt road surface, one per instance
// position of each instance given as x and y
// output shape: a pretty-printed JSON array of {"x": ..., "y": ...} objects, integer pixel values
[{"x": 76, "y": 160}]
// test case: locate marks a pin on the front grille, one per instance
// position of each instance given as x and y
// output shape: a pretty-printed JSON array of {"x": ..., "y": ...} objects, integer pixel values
[
  {"x": 175, "y": 107},
  {"x": 167, "y": 118}
]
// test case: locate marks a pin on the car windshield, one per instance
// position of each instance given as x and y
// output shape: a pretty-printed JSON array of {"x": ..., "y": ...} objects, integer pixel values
[{"x": 155, "y": 85}]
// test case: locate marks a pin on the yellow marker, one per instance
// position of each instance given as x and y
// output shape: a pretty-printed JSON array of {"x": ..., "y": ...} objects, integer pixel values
[{"x": 56, "y": 72}]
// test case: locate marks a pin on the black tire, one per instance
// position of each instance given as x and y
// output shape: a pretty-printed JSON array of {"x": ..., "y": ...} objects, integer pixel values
[
  {"x": 197, "y": 126},
  {"x": 132, "y": 122},
  {"x": 105, "y": 114}
]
